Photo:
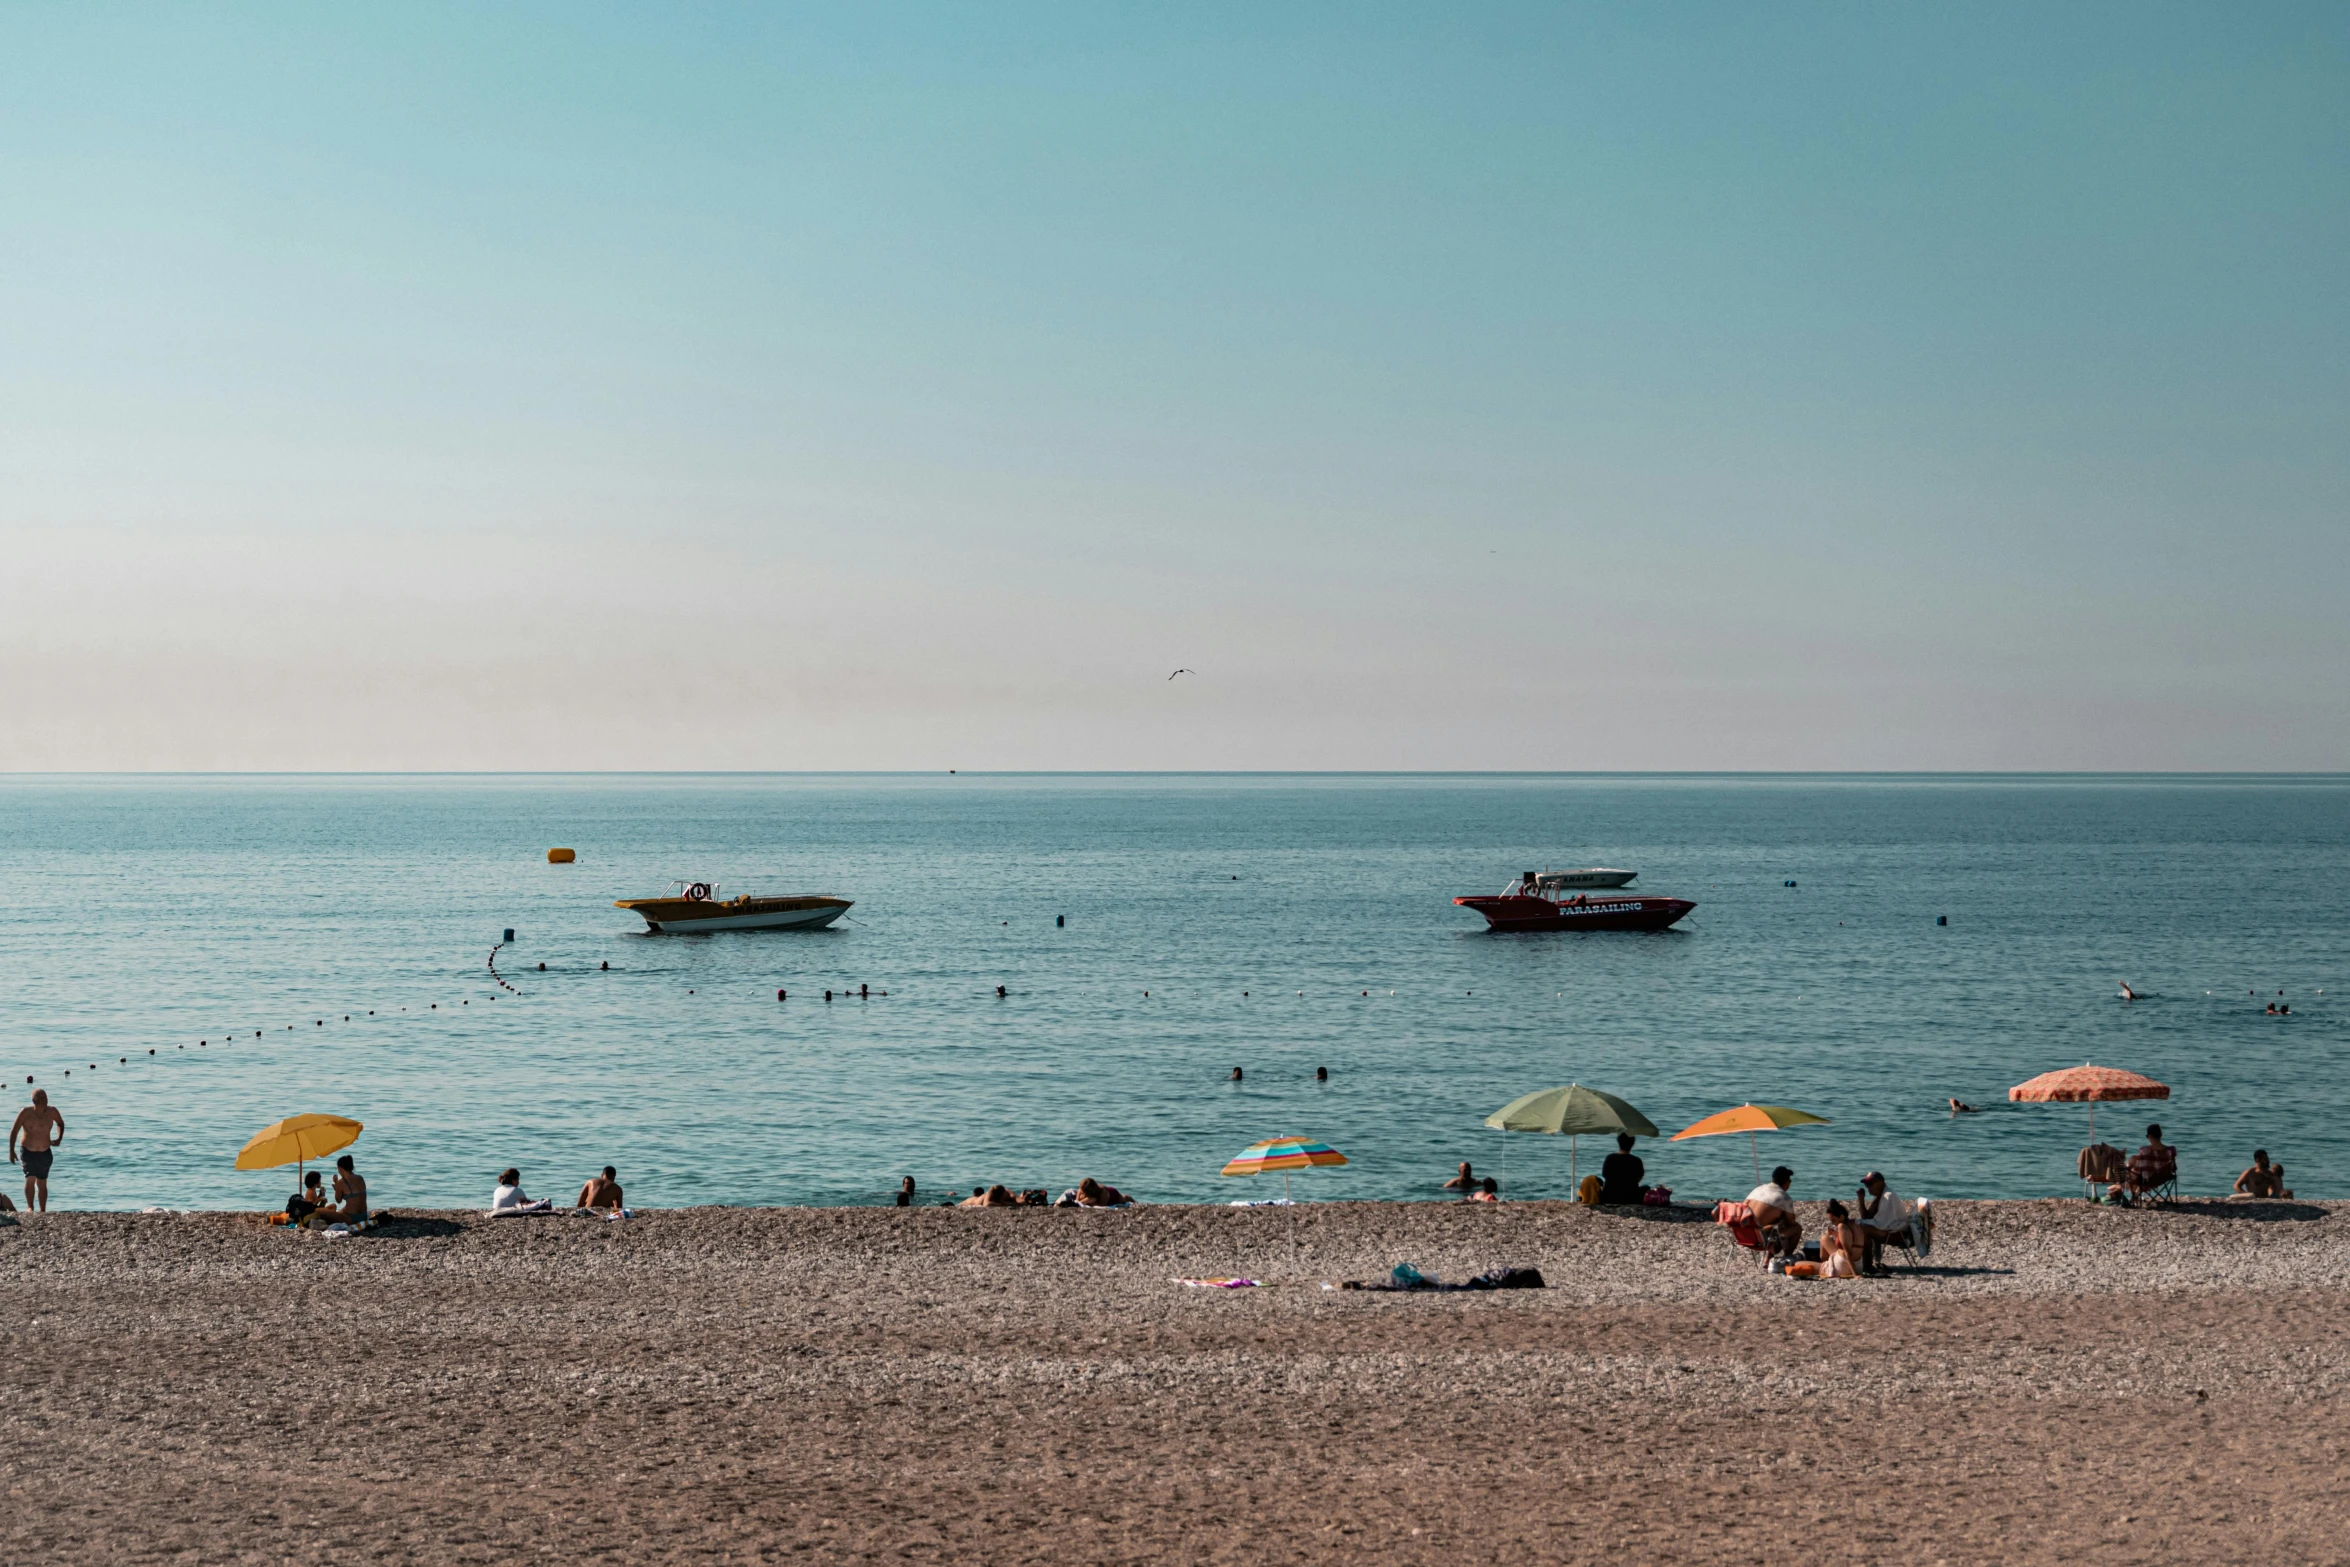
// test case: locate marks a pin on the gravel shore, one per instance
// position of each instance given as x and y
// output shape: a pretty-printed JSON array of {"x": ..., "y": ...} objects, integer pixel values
[{"x": 2063, "y": 1382}]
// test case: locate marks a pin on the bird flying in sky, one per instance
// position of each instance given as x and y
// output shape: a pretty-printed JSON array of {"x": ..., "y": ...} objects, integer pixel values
[{"x": 1183, "y": 672}]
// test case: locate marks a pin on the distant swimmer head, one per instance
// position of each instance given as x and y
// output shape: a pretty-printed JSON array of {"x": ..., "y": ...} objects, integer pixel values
[
  {"x": 1236, "y": 1074},
  {"x": 1321, "y": 1074}
]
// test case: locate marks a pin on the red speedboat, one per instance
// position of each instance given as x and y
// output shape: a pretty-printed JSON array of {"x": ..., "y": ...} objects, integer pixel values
[{"x": 1540, "y": 901}]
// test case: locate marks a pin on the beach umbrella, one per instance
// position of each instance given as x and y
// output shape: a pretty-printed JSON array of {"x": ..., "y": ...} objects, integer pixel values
[
  {"x": 1573, "y": 1111},
  {"x": 1750, "y": 1119},
  {"x": 2086, "y": 1084},
  {"x": 1288, "y": 1155},
  {"x": 1285, "y": 1154},
  {"x": 296, "y": 1140}
]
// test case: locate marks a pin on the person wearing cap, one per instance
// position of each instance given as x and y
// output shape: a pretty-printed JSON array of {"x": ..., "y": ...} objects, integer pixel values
[{"x": 1883, "y": 1213}]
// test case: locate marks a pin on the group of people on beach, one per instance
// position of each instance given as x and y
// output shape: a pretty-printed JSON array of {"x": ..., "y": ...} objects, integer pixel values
[
  {"x": 1852, "y": 1243},
  {"x": 600, "y": 1195},
  {"x": 1087, "y": 1193}
]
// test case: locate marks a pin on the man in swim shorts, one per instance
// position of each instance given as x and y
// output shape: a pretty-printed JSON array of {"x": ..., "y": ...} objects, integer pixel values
[{"x": 42, "y": 1129}]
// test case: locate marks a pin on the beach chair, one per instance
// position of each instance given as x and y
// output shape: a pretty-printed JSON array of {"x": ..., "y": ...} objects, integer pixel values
[
  {"x": 1915, "y": 1243},
  {"x": 2155, "y": 1178},
  {"x": 1738, "y": 1218}
]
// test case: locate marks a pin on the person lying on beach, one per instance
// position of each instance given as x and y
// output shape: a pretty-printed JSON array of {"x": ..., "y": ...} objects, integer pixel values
[
  {"x": 998, "y": 1196},
  {"x": 1093, "y": 1194},
  {"x": 1463, "y": 1182},
  {"x": 1774, "y": 1211},
  {"x": 601, "y": 1191},
  {"x": 2263, "y": 1179},
  {"x": 510, "y": 1199}
]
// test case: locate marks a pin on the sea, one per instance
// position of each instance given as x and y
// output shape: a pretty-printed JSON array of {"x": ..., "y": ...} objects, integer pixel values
[{"x": 189, "y": 958}]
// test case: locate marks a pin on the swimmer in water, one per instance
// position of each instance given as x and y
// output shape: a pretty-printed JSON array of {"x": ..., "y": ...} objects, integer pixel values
[
  {"x": 2127, "y": 993},
  {"x": 1961, "y": 1107},
  {"x": 1236, "y": 1074}
]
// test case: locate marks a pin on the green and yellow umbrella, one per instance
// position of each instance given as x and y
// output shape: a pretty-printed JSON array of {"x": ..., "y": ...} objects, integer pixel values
[{"x": 1750, "y": 1119}]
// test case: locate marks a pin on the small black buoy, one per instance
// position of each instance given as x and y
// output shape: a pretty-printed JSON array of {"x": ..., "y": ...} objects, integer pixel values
[
  {"x": 604, "y": 966},
  {"x": 1060, "y": 921},
  {"x": 436, "y": 1006},
  {"x": 509, "y": 933},
  {"x": 542, "y": 968},
  {"x": 1941, "y": 919},
  {"x": 828, "y": 995},
  {"x": 150, "y": 1051},
  {"x": 779, "y": 995},
  {"x": 863, "y": 991}
]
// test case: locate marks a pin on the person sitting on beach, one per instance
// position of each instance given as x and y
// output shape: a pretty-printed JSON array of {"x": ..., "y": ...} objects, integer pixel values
[
  {"x": 1774, "y": 1211},
  {"x": 601, "y": 1191},
  {"x": 2263, "y": 1179},
  {"x": 307, "y": 1200},
  {"x": 2155, "y": 1165},
  {"x": 1884, "y": 1213},
  {"x": 510, "y": 1199},
  {"x": 350, "y": 1204},
  {"x": 1463, "y": 1182},
  {"x": 1842, "y": 1244},
  {"x": 997, "y": 1196},
  {"x": 1619, "y": 1175}
]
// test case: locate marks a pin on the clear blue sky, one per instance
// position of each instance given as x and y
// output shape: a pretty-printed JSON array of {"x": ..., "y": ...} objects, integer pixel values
[{"x": 1679, "y": 386}]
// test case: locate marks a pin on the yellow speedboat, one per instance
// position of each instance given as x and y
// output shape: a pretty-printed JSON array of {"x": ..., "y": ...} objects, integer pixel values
[{"x": 695, "y": 905}]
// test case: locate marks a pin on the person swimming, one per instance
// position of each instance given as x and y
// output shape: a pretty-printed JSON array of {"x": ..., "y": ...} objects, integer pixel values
[{"x": 1961, "y": 1107}]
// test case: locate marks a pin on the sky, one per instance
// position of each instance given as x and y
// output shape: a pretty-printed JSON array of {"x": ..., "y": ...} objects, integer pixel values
[{"x": 1675, "y": 386}]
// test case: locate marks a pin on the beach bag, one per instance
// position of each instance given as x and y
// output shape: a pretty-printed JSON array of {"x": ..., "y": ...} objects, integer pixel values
[
  {"x": 1588, "y": 1189},
  {"x": 1658, "y": 1197},
  {"x": 1803, "y": 1270}
]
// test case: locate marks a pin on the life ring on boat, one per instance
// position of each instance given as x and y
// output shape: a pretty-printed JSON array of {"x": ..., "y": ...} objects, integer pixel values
[{"x": 698, "y": 892}]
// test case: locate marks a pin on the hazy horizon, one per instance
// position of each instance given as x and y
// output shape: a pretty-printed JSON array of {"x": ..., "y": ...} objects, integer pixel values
[{"x": 1525, "y": 389}]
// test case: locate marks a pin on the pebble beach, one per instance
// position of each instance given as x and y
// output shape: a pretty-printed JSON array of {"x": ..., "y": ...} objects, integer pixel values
[{"x": 2059, "y": 1382}]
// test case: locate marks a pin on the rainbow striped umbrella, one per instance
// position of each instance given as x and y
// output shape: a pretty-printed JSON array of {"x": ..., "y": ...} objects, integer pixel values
[{"x": 1284, "y": 1154}]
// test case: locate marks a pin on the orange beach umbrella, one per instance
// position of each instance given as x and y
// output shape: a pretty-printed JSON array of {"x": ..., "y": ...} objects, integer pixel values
[
  {"x": 1750, "y": 1119},
  {"x": 2087, "y": 1084}
]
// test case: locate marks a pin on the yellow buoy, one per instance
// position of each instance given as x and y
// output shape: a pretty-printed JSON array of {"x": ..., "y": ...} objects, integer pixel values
[{"x": 561, "y": 856}]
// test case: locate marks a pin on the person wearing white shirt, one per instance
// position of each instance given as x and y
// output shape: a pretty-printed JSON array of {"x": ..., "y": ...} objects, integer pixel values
[
  {"x": 1774, "y": 1210},
  {"x": 509, "y": 1200},
  {"x": 1883, "y": 1213}
]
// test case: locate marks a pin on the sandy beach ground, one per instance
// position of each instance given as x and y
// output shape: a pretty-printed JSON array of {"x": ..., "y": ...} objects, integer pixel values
[{"x": 2065, "y": 1383}]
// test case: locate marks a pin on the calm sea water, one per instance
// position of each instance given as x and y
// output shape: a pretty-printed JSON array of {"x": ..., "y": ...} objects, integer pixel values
[{"x": 1274, "y": 923}]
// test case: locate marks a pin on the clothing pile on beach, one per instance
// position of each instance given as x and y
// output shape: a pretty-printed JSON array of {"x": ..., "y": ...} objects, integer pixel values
[{"x": 1405, "y": 1277}]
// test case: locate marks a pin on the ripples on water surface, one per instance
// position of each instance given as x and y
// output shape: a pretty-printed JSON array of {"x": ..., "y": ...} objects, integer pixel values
[{"x": 156, "y": 912}]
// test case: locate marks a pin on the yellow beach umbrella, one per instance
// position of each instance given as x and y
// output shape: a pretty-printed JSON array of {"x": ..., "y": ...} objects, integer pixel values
[
  {"x": 297, "y": 1139},
  {"x": 1750, "y": 1119}
]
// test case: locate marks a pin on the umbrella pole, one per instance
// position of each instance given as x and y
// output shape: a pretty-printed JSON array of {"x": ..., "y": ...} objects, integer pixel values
[
  {"x": 1751, "y": 1153},
  {"x": 1571, "y": 1141}
]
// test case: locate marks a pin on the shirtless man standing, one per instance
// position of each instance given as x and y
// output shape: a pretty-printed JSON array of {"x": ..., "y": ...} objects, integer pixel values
[{"x": 42, "y": 1129}]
